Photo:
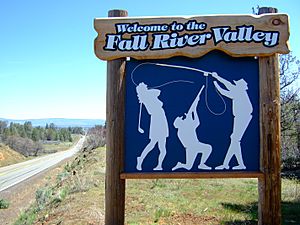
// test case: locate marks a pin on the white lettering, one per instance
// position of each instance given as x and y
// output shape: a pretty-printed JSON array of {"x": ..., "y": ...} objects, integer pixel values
[
  {"x": 165, "y": 41},
  {"x": 219, "y": 33},
  {"x": 112, "y": 41},
  {"x": 245, "y": 34},
  {"x": 139, "y": 42},
  {"x": 136, "y": 43},
  {"x": 137, "y": 28},
  {"x": 121, "y": 28},
  {"x": 160, "y": 41},
  {"x": 271, "y": 39}
]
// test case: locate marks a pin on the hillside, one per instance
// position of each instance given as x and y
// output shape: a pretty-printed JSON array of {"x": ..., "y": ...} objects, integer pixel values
[
  {"x": 60, "y": 122},
  {"x": 179, "y": 201},
  {"x": 9, "y": 156}
]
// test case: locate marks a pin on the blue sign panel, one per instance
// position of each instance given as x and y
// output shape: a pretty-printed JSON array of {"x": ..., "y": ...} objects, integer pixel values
[{"x": 192, "y": 115}]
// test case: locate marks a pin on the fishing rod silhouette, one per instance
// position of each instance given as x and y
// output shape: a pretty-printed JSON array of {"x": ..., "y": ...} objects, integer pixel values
[{"x": 205, "y": 74}]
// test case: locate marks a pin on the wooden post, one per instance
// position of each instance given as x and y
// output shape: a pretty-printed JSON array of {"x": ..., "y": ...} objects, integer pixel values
[
  {"x": 115, "y": 99},
  {"x": 269, "y": 206}
]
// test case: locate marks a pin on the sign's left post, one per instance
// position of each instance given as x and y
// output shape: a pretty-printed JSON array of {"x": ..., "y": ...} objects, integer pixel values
[{"x": 115, "y": 108}]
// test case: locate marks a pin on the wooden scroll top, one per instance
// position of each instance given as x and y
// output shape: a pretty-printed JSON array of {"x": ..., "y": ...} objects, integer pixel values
[{"x": 165, "y": 37}]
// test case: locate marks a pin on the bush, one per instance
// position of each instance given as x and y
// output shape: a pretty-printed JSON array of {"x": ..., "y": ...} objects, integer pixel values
[
  {"x": 43, "y": 196},
  {"x": 96, "y": 137},
  {"x": 27, "y": 217},
  {"x": 4, "y": 204},
  {"x": 25, "y": 146}
]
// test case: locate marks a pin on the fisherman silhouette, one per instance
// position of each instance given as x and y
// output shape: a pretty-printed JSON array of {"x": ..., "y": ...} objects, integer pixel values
[
  {"x": 241, "y": 110},
  {"x": 187, "y": 135},
  {"x": 158, "y": 130}
]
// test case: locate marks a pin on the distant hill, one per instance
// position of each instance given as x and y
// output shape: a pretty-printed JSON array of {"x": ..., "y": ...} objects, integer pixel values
[{"x": 60, "y": 122}]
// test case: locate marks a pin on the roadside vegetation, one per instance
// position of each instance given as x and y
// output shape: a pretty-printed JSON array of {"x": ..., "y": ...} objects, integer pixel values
[
  {"x": 76, "y": 178},
  {"x": 77, "y": 197},
  {"x": 56, "y": 146},
  {"x": 290, "y": 111},
  {"x": 19, "y": 142},
  {"x": 4, "y": 204}
]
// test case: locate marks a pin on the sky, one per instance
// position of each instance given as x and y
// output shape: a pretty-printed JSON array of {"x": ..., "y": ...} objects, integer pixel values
[{"x": 48, "y": 68}]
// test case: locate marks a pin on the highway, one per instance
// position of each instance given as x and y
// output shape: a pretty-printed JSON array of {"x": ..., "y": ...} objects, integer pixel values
[{"x": 14, "y": 174}]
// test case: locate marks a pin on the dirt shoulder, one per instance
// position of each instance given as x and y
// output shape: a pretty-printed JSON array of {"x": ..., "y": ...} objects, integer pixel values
[{"x": 22, "y": 195}]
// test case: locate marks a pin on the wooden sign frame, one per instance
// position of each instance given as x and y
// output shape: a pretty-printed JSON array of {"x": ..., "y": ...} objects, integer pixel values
[
  {"x": 269, "y": 181},
  {"x": 165, "y": 37}
]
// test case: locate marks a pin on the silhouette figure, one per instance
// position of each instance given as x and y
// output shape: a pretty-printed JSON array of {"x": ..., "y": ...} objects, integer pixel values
[
  {"x": 158, "y": 130},
  {"x": 187, "y": 135},
  {"x": 241, "y": 109}
]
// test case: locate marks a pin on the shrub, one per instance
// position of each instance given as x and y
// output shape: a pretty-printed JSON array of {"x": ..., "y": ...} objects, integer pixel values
[{"x": 4, "y": 204}]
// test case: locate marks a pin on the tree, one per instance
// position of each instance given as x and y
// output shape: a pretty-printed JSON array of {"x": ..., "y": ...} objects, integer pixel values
[
  {"x": 36, "y": 136},
  {"x": 96, "y": 137},
  {"x": 290, "y": 110},
  {"x": 25, "y": 146},
  {"x": 50, "y": 134},
  {"x": 28, "y": 128},
  {"x": 3, "y": 125}
]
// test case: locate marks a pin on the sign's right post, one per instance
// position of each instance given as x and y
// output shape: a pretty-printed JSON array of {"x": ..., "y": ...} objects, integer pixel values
[{"x": 269, "y": 186}]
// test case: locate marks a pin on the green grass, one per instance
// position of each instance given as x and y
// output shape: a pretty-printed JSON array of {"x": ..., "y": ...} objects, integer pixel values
[
  {"x": 49, "y": 148},
  {"x": 218, "y": 199},
  {"x": 225, "y": 201},
  {"x": 80, "y": 187},
  {"x": 28, "y": 217}
]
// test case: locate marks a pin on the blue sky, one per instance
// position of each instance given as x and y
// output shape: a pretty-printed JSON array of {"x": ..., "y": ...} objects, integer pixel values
[{"x": 47, "y": 62}]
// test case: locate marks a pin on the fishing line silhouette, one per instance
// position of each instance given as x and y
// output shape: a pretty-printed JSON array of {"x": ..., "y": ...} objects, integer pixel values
[
  {"x": 205, "y": 73},
  {"x": 164, "y": 84}
]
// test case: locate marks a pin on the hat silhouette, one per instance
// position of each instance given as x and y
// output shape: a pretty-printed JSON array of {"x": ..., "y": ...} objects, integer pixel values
[{"x": 241, "y": 83}]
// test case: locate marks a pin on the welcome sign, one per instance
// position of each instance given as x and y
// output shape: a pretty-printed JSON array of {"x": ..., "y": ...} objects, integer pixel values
[
  {"x": 145, "y": 38},
  {"x": 193, "y": 97},
  {"x": 192, "y": 115}
]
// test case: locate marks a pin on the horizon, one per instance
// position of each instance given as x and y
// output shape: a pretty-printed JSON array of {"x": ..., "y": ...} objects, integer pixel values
[
  {"x": 50, "y": 118},
  {"x": 58, "y": 122}
]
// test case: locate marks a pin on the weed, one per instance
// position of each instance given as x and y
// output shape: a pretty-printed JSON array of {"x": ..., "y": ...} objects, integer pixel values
[
  {"x": 291, "y": 190},
  {"x": 79, "y": 184},
  {"x": 67, "y": 168},
  {"x": 4, "y": 204},
  {"x": 62, "y": 176},
  {"x": 158, "y": 183},
  {"x": 60, "y": 196},
  {"x": 43, "y": 196},
  {"x": 27, "y": 217},
  {"x": 161, "y": 212}
]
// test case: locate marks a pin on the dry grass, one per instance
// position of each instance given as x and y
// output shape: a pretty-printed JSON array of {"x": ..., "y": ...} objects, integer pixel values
[
  {"x": 9, "y": 156},
  {"x": 49, "y": 148},
  {"x": 169, "y": 202}
]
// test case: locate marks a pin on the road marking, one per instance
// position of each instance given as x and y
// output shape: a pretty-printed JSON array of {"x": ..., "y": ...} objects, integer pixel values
[{"x": 23, "y": 171}]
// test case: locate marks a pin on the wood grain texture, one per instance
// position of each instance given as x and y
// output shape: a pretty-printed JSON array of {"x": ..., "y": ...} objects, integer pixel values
[
  {"x": 115, "y": 99},
  {"x": 269, "y": 22},
  {"x": 190, "y": 175},
  {"x": 269, "y": 186}
]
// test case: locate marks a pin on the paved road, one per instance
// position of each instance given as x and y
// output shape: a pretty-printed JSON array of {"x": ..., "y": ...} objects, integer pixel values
[{"x": 14, "y": 174}]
